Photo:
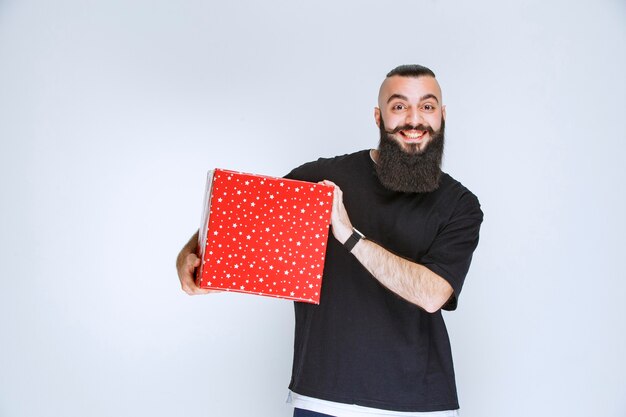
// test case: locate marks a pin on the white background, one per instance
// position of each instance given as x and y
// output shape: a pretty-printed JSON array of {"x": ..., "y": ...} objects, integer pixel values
[{"x": 111, "y": 112}]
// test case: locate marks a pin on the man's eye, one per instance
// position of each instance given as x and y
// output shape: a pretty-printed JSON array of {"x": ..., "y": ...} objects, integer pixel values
[
  {"x": 398, "y": 106},
  {"x": 429, "y": 107}
]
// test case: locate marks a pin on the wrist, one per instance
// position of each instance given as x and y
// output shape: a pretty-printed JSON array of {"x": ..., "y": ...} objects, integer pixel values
[{"x": 342, "y": 232}]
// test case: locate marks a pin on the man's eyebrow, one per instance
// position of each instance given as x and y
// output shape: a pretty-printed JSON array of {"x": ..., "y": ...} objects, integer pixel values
[
  {"x": 399, "y": 96},
  {"x": 405, "y": 98},
  {"x": 427, "y": 96}
]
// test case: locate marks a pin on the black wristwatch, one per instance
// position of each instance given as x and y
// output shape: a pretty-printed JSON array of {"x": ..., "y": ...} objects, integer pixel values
[{"x": 353, "y": 239}]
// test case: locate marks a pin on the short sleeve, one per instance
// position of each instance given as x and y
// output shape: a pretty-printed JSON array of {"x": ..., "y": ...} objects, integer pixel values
[
  {"x": 307, "y": 172},
  {"x": 450, "y": 254}
]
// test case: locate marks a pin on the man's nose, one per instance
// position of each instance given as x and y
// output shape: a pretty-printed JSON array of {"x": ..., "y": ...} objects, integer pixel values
[{"x": 413, "y": 117}]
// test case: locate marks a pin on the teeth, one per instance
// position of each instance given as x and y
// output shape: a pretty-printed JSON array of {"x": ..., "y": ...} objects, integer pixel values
[{"x": 412, "y": 135}]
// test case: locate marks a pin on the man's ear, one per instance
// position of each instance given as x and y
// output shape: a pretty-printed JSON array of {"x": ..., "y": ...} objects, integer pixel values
[
  {"x": 443, "y": 112},
  {"x": 377, "y": 116}
]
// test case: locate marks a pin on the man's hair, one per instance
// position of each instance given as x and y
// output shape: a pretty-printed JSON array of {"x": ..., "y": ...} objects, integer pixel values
[{"x": 413, "y": 70}]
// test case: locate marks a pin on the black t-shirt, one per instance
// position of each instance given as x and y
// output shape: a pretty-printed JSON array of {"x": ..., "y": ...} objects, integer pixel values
[{"x": 364, "y": 344}]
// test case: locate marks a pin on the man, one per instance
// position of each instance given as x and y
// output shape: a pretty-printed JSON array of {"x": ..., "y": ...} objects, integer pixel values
[{"x": 377, "y": 344}]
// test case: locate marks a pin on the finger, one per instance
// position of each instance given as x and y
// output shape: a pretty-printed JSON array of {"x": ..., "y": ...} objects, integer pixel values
[
  {"x": 195, "y": 290},
  {"x": 192, "y": 262},
  {"x": 332, "y": 184},
  {"x": 329, "y": 183},
  {"x": 200, "y": 291},
  {"x": 189, "y": 286},
  {"x": 188, "y": 282}
]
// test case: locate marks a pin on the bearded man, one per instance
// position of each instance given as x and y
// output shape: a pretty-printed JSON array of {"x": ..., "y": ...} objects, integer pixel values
[{"x": 404, "y": 234}]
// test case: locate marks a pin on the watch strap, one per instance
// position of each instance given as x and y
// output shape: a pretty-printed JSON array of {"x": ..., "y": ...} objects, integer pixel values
[{"x": 353, "y": 239}]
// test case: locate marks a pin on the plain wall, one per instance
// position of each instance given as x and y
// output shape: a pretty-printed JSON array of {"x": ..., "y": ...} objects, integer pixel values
[{"x": 111, "y": 112}]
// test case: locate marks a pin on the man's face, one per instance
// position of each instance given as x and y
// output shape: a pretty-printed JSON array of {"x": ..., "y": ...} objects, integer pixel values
[{"x": 411, "y": 110}]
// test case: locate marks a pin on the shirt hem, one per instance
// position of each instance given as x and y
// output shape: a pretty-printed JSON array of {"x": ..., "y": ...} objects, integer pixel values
[{"x": 376, "y": 403}]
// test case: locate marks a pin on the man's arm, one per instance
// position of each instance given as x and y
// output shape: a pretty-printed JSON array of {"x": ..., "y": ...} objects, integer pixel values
[
  {"x": 410, "y": 280},
  {"x": 186, "y": 264}
]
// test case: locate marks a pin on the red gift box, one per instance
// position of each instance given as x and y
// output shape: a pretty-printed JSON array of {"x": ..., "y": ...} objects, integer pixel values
[{"x": 264, "y": 235}]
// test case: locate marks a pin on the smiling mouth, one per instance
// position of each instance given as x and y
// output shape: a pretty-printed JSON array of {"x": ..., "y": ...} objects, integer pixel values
[{"x": 413, "y": 135}]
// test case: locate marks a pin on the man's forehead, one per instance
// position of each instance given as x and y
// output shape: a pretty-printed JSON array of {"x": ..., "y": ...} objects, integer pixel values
[{"x": 413, "y": 88}]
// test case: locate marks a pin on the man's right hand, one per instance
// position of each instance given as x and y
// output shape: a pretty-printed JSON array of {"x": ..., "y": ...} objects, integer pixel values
[{"x": 186, "y": 264}]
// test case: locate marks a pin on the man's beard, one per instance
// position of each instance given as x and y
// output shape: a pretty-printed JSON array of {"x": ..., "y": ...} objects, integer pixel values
[{"x": 413, "y": 170}]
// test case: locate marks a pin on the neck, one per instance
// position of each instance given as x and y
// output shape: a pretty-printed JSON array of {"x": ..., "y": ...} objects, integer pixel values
[{"x": 374, "y": 155}]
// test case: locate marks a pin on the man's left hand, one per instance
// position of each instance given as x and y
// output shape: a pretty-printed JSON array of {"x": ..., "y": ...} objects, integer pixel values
[{"x": 339, "y": 220}]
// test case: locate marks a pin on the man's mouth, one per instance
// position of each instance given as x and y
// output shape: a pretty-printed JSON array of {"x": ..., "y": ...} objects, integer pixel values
[{"x": 413, "y": 135}]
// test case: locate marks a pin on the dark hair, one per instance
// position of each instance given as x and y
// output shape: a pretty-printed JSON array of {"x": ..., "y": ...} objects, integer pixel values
[{"x": 413, "y": 70}]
